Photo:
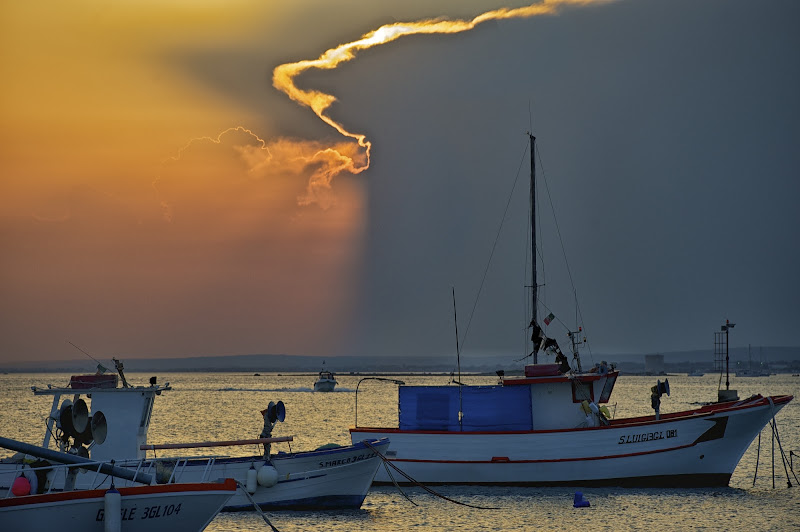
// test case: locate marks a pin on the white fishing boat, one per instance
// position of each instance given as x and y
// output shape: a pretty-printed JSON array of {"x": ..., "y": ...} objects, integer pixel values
[
  {"x": 99, "y": 420},
  {"x": 551, "y": 426},
  {"x": 43, "y": 496},
  {"x": 160, "y": 508},
  {"x": 326, "y": 382}
]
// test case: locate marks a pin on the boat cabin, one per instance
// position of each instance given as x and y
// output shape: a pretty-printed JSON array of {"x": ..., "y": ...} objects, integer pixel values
[
  {"x": 98, "y": 420},
  {"x": 544, "y": 399}
]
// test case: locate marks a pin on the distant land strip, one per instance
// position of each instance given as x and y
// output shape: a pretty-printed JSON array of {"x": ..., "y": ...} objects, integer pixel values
[{"x": 778, "y": 360}]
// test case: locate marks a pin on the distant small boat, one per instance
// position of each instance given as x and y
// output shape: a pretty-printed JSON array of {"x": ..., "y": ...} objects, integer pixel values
[
  {"x": 760, "y": 370},
  {"x": 696, "y": 373},
  {"x": 326, "y": 382}
]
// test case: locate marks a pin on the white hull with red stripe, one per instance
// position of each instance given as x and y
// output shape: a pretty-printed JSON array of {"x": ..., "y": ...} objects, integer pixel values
[
  {"x": 326, "y": 478},
  {"x": 694, "y": 448},
  {"x": 166, "y": 508}
]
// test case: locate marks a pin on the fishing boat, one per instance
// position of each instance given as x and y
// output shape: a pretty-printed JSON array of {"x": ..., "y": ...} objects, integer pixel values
[
  {"x": 109, "y": 422},
  {"x": 326, "y": 382},
  {"x": 160, "y": 508},
  {"x": 551, "y": 425},
  {"x": 33, "y": 502}
]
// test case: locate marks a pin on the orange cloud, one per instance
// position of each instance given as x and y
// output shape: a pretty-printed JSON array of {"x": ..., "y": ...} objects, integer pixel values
[{"x": 284, "y": 76}]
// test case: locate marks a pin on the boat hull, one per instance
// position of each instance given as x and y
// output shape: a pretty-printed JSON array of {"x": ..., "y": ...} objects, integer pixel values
[
  {"x": 144, "y": 508},
  {"x": 327, "y": 479},
  {"x": 337, "y": 478},
  {"x": 324, "y": 386},
  {"x": 695, "y": 448}
]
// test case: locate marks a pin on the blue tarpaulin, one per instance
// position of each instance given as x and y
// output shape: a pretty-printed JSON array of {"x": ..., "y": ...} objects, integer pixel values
[{"x": 485, "y": 408}]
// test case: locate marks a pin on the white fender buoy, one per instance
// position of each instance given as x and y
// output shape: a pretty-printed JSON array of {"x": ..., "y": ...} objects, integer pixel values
[
  {"x": 252, "y": 480},
  {"x": 267, "y": 476},
  {"x": 112, "y": 504}
]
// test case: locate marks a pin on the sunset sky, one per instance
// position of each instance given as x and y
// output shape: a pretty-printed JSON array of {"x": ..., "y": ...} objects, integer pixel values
[{"x": 162, "y": 195}]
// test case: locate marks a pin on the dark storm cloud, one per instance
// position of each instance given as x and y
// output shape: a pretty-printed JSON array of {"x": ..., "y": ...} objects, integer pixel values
[{"x": 668, "y": 132}]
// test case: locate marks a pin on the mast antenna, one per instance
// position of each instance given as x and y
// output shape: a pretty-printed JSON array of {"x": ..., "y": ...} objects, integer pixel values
[
  {"x": 533, "y": 241},
  {"x": 458, "y": 357}
]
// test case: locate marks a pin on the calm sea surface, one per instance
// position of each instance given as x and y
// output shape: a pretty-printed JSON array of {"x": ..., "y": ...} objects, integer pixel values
[{"x": 225, "y": 406}]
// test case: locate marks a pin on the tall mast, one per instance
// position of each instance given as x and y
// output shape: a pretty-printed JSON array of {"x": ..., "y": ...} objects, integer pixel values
[{"x": 533, "y": 241}]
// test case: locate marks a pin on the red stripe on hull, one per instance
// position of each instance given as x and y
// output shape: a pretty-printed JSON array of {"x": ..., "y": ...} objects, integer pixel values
[{"x": 228, "y": 485}]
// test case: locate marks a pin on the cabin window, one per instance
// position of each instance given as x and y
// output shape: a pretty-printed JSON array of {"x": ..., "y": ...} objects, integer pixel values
[
  {"x": 148, "y": 408},
  {"x": 605, "y": 395},
  {"x": 582, "y": 391}
]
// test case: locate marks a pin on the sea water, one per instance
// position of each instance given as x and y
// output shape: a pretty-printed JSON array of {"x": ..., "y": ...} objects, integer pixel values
[{"x": 226, "y": 406}]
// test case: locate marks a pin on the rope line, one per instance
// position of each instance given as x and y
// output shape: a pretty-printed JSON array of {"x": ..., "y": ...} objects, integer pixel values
[
  {"x": 255, "y": 505},
  {"x": 423, "y": 486}
]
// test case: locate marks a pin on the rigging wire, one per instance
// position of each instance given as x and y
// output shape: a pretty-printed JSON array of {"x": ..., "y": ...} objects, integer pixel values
[
  {"x": 563, "y": 249},
  {"x": 532, "y": 255},
  {"x": 494, "y": 246}
]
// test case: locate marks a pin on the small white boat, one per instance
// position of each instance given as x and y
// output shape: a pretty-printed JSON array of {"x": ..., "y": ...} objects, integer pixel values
[
  {"x": 160, "y": 508},
  {"x": 98, "y": 420},
  {"x": 326, "y": 382}
]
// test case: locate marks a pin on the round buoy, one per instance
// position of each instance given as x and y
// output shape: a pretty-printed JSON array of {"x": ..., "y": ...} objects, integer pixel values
[
  {"x": 267, "y": 476},
  {"x": 21, "y": 487}
]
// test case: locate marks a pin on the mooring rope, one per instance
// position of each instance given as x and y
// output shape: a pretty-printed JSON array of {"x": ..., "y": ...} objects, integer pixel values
[
  {"x": 423, "y": 486},
  {"x": 758, "y": 456},
  {"x": 396, "y": 485},
  {"x": 777, "y": 437},
  {"x": 783, "y": 455},
  {"x": 256, "y": 506}
]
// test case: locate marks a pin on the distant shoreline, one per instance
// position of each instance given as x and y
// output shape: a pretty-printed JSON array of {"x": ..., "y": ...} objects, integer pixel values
[{"x": 775, "y": 359}]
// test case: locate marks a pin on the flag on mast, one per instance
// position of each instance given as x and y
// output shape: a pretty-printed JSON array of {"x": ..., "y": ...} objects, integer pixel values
[{"x": 550, "y": 317}]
